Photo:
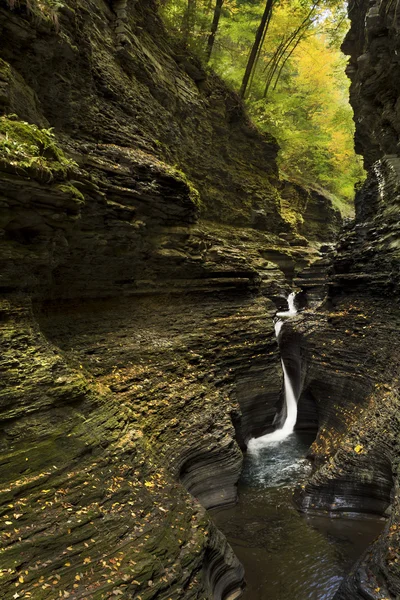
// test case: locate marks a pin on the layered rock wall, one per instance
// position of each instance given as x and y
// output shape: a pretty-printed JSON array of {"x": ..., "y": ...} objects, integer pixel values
[
  {"x": 350, "y": 342},
  {"x": 309, "y": 211},
  {"x": 142, "y": 252}
]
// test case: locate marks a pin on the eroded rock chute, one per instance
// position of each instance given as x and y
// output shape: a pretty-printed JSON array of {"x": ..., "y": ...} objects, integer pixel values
[{"x": 290, "y": 400}]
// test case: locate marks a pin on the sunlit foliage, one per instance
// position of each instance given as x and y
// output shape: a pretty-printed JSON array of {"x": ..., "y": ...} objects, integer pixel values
[{"x": 297, "y": 89}]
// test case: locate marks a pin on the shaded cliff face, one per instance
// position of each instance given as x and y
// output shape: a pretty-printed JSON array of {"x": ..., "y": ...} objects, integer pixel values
[
  {"x": 309, "y": 211},
  {"x": 138, "y": 92},
  {"x": 373, "y": 46},
  {"x": 349, "y": 343},
  {"x": 136, "y": 336},
  {"x": 350, "y": 388}
]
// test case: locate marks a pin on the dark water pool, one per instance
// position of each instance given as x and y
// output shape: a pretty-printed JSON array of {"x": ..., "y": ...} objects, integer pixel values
[{"x": 287, "y": 556}]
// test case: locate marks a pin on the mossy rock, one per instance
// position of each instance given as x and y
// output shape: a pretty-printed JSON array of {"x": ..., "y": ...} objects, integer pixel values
[{"x": 32, "y": 151}]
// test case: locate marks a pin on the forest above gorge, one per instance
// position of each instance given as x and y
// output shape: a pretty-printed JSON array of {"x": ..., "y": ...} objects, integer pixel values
[{"x": 283, "y": 57}]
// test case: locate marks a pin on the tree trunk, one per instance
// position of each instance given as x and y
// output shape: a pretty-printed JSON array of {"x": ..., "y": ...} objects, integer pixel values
[
  {"x": 256, "y": 45},
  {"x": 259, "y": 50},
  {"x": 285, "y": 61},
  {"x": 284, "y": 46},
  {"x": 214, "y": 28},
  {"x": 188, "y": 18}
]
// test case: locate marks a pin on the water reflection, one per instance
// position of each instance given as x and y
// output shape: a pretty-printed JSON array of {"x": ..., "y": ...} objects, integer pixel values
[{"x": 287, "y": 556}]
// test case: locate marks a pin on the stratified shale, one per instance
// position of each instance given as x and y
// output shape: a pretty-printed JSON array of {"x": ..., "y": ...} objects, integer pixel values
[
  {"x": 349, "y": 343},
  {"x": 144, "y": 246}
]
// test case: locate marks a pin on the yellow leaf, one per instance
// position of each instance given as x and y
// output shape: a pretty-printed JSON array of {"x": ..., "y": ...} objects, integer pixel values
[{"x": 358, "y": 448}]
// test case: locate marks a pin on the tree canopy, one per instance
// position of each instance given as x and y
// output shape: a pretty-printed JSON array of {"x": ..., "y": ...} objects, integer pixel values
[{"x": 283, "y": 57}]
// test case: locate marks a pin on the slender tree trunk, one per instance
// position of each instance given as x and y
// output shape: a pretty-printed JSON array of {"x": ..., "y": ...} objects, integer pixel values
[
  {"x": 256, "y": 45},
  {"x": 285, "y": 61},
  {"x": 188, "y": 18},
  {"x": 259, "y": 51},
  {"x": 278, "y": 55},
  {"x": 214, "y": 28},
  {"x": 273, "y": 57},
  {"x": 204, "y": 30},
  {"x": 284, "y": 46}
]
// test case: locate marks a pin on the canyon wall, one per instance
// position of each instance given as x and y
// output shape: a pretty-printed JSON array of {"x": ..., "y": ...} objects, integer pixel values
[
  {"x": 350, "y": 365},
  {"x": 145, "y": 244}
]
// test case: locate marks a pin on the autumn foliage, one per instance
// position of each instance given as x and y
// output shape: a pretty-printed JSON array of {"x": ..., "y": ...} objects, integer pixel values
[{"x": 297, "y": 88}]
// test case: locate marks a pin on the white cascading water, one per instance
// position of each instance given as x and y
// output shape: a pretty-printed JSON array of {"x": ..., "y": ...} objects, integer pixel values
[
  {"x": 287, "y": 428},
  {"x": 292, "y": 308}
]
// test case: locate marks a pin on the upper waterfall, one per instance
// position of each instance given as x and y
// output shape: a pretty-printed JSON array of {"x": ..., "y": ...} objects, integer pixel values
[{"x": 292, "y": 310}]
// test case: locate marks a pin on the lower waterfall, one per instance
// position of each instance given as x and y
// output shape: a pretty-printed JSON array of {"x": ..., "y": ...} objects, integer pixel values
[{"x": 286, "y": 555}]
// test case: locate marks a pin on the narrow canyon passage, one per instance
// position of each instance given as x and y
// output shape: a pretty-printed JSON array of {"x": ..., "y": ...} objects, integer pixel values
[
  {"x": 285, "y": 554},
  {"x": 155, "y": 214}
]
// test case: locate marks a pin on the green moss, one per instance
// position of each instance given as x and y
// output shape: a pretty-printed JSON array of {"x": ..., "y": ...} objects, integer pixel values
[
  {"x": 5, "y": 70},
  {"x": 294, "y": 218},
  {"x": 27, "y": 148},
  {"x": 181, "y": 176},
  {"x": 195, "y": 196},
  {"x": 72, "y": 190}
]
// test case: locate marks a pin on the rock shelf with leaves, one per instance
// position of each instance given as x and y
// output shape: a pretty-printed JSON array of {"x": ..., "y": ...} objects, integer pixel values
[{"x": 144, "y": 244}]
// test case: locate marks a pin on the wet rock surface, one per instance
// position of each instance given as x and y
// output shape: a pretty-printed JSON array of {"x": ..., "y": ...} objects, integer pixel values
[
  {"x": 138, "y": 287},
  {"x": 350, "y": 378}
]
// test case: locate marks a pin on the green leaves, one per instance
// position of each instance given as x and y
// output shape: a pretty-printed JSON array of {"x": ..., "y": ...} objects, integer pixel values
[
  {"x": 31, "y": 150},
  {"x": 298, "y": 90}
]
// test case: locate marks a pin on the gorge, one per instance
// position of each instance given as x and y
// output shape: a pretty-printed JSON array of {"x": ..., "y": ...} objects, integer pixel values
[{"x": 147, "y": 242}]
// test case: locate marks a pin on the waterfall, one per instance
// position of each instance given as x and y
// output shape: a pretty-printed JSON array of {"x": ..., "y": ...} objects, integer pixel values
[
  {"x": 290, "y": 399},
  {"x": 292, "y": 308}
]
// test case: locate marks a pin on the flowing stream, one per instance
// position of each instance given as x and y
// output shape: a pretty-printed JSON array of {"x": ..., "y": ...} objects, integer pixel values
[{"x": 288, "y": 556}]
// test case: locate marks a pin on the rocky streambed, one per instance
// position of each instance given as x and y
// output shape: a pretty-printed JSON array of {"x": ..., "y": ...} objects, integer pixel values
[{"x": 286, "y": 555}]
